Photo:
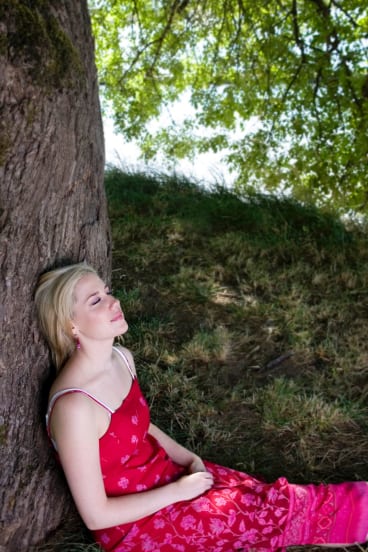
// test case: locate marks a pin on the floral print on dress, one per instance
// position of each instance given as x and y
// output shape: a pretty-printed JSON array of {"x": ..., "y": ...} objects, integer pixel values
[{"x": 123, "y": 482}]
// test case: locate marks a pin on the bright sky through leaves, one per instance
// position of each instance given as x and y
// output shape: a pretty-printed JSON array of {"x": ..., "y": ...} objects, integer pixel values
[{"x": 299, "y": 67}]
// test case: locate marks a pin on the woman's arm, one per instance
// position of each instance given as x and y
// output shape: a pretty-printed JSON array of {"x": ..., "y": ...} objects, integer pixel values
[
  {"x": 74, "y": 428},
  {"x": 177, "y": 452}
]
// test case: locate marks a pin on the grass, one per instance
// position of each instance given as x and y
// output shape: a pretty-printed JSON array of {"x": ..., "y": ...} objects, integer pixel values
[{"x": 248, "y": 323}]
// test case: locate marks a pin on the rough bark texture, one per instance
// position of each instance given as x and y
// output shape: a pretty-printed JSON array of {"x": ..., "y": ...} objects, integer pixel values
[{"x": 52, "y": 210}]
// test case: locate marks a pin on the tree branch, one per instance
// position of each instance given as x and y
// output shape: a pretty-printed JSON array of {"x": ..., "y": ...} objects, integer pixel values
[
  {"x": 296, "y": 29},
  {"x": 176, "y": 7},
  {"x": 345, "y": 12}
]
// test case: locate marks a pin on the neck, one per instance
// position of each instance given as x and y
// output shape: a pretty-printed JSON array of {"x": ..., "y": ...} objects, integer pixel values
[{"x": 97, "y": 355}]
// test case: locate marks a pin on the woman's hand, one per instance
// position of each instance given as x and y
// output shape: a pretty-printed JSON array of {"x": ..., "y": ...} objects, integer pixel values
[
  {"x": 193, "y": 485},
  {"x": 196, "y": 465}
]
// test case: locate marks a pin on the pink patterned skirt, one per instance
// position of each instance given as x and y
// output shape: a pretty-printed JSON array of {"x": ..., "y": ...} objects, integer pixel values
[{"x": 242, "y": 513}]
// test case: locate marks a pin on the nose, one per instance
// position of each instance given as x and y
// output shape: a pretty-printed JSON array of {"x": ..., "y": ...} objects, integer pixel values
[{"x": 114, "y": 302}]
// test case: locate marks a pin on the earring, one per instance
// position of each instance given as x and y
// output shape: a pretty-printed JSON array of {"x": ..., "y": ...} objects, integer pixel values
[{"x": 77, "y": 343}]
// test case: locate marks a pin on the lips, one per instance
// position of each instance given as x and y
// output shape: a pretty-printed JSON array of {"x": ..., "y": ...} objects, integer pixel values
[{"x": 117, "y": 317}]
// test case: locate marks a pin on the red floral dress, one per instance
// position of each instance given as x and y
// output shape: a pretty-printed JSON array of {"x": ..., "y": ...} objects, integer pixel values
[{"x": 238, "y": 513}]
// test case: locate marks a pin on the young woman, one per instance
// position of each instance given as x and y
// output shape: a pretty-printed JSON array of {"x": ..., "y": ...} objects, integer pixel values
[{"x": 136, "y": 488}]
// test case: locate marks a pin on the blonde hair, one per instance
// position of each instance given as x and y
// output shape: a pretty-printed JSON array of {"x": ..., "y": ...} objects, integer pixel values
[{"x": 54, "y": 298}]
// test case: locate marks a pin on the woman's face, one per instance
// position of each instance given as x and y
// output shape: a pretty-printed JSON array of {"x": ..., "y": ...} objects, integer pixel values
[{"x": 97, "y": 315}]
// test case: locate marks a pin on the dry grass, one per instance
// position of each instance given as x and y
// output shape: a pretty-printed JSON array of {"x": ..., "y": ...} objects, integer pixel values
[{"x": 248, "y": 323}]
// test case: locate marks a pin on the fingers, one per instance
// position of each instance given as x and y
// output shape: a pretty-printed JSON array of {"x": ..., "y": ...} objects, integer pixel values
[
  {"x": 205, "y": 478},
  {"x": 195, "y": 484}
]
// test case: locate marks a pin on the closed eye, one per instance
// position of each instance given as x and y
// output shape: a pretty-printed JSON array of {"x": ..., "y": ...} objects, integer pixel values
[{"x": 97, "y": 296}]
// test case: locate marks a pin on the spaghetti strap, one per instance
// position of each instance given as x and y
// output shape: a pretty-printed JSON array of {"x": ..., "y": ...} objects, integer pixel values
[
  {"x": 125, "y": 358},
  {"x": 67, "y": 391}
]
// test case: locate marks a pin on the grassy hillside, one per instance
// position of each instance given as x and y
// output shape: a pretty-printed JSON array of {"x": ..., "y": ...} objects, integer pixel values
[{"x": 248, "y": 322}]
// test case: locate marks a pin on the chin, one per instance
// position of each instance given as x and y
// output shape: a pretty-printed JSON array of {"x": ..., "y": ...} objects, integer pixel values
[{"x": 124, "y": 329}]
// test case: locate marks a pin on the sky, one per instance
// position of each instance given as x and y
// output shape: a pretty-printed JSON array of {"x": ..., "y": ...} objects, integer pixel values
[{"x": 206, "y": 169}]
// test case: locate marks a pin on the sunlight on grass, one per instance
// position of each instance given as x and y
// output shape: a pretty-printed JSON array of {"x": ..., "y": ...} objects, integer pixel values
[
  {"x": 286, "y": 406},
  {"x": 207, "y": 346}
]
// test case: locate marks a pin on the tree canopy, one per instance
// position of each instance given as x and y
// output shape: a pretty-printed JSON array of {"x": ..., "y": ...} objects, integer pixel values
[{"x": 281, "y": 86}]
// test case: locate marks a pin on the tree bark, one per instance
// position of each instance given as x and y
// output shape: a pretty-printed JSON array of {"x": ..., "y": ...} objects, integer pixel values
[{"x": 52, "y": 211}]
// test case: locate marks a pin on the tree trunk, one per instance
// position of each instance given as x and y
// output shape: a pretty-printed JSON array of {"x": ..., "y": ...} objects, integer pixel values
[{"x": 52, "y": 211}]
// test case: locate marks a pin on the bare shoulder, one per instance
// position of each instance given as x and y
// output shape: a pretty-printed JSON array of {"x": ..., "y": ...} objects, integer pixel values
[
  {"x": 74, "y": 406},
  {"x": 129, "y": 356},
  {"x": 73, "y": 417},
  {"x": 71, "y": 402}
]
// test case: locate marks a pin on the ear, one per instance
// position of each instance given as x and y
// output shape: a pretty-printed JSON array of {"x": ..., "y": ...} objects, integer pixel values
[{"x": 73, "y": 329}]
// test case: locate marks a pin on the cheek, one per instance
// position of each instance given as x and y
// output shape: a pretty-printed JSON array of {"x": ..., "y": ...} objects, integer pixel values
[
  {"x": 95, "y": 318},
  {"x": 83, "y": 320}
]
